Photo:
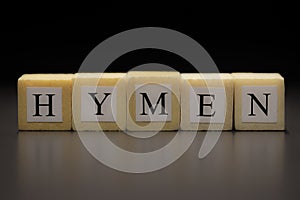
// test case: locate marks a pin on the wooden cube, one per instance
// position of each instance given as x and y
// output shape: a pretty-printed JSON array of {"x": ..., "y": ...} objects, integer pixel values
[
  {"x": 206, "y": 101},
  {"x": 99, "y": 101},
  {"x": 259, "y": 101},
  {"x": 153, "y": 101},
  {"x": 44, "y": 101}
]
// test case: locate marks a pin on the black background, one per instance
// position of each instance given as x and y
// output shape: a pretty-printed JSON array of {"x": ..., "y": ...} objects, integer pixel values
[{"x": 245, "y": 36}]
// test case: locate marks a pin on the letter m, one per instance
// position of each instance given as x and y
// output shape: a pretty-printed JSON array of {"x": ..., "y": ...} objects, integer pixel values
[{"x": 161, "y": 100}]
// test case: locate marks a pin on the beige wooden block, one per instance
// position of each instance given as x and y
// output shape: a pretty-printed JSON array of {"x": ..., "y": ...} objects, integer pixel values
[
  {"x": 99, "y": 101},
  {"x": 259, "y": 101},
  {"x": 206, "y": 101},
  {"x": 44, "y": 101},
  {"x": 153, "y": 101}
]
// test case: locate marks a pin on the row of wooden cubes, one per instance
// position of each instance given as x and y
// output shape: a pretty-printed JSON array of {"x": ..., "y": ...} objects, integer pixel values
[{"x": 151, "y": 101}]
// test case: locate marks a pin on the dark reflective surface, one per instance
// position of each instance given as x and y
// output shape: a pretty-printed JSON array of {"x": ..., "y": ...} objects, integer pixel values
[
  {"x": 51, "y": 163},
  {"x": 242, "y": 165}
]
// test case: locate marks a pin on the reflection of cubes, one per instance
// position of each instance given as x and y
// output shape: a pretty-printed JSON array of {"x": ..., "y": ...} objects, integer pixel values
[
  {"x": 44, "y": 101},
  {"x": 259, "y": 101},
  {"x": 99, "y": 101},
  {"x": 153, "y": 101},
  {"x": 206, "y": 101}
]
